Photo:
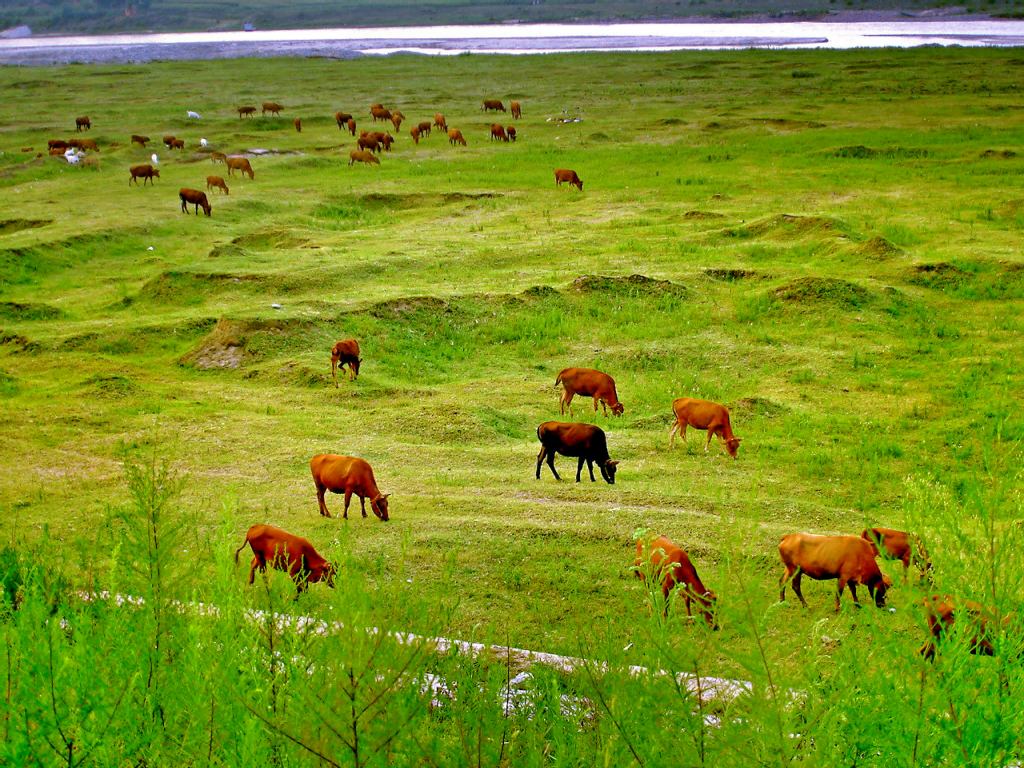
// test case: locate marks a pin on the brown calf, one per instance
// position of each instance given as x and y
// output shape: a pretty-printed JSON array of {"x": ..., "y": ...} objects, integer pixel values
[
  {"x": 194, "y": 197},
  {"x": 247, "y": 111},
  {"x": 345, "y": 353},
  {"x": 342, "y": 118},
  {"x": 568, "y": 176},
  {"x": 146, "y": 172},
  {"x": 167, "y": 140},
  {"x": 440, "y": 122},
  {"x": 492, "y": 104},
  {"x": 415, "y": 133},
  {"x": 582, "y": 441},
  {"x": 82, "y": 123},
  {"x": 218, "y": 157},
  {"x": 297, "y": 122},
  {"x": 849, "y": 559},
  {"x": 272, "y": 107},
  {"x": 942, "y": 611},
  {"x": 89, "y": 144},
  {"x": 425, "y": 127},
  {"x": 703, "y": 414},
  {"x": 396, "y": 120},
  {"x": 140, "y": 140},
  {"x": 177, "y": 144},
  {"x": 455, "y": 137},
  {"x": 240, "y": 164},
  {"x": 218, "y": 182},
  {"x": 286, "y": 552},
  {"x": 362, "y": 156},
  {"x": 511, "y": 131},
  {"x": 590, "y": 383},
  {"x": 348, "y": 475},
  {"x": 899, "y": 545},
  {"x": 665, "y": 561},
  {"x": 352, "y": 126},
  {"x": 517, "y": 109},
  {"x": 497, "y": 132}
]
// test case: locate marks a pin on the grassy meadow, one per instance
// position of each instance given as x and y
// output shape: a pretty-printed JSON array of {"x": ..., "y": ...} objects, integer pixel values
[{"x": 827, "y": 242}]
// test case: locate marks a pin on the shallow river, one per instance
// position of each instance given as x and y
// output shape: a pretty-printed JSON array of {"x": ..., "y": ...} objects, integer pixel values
[{"x": 509, "y": 39}]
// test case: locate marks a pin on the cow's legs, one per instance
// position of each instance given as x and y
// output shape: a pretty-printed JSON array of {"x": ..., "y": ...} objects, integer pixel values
[
  {"x": 796, "y": 586},
  {"x": 540, "y": 459},
  {"x": 252, "y": 569},
  {"x": 672, "y": 433},
  {"x": 590, "y": 466},
  {"x": 853, "y": 594},
  {"x": 348, "y": 498},
  {"x": 320, "y": 491},
  {"x": 362, "y": 504},
  {"x": 707, "y": 444},
  {"x": 579, "y": 468},
  {"x": 334, "y": 370},
  {"x": 566, "y": 402},
  {"x": 787, "y": 574},
  {"x": 551, "y": 463}
]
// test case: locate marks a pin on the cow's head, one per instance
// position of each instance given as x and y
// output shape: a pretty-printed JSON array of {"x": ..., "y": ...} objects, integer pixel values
[
  {"x": 608, "y": 471},
  {"x": 732, "y": 445},
  {"x": 380, "y": 506},
  {"x": 617, "y": 409},
  {"x": 155, "y": 173},
  {"x": 879, "y": 589},
  {"x": 710, "y": 602},
  {"x": 355, "y": 367},
  {"x": 327, "y": 574}
]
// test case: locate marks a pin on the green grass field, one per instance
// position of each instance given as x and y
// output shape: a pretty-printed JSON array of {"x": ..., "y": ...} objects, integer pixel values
[{"x": 828, "y": 243}]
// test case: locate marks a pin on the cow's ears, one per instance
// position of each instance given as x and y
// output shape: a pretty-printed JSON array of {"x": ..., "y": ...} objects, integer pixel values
[
  {"x": 612, "y": 463},
  {"x": 385, "y": 495}
]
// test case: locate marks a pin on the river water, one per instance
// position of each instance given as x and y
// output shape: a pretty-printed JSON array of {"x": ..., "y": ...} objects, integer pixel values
[{"x": 509, "y": 39}]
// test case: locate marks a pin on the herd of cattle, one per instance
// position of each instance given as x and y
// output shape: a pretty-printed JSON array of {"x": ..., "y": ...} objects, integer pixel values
[
  {"x": 850, "y": 560},
  {"x": 368, "y": 146}
]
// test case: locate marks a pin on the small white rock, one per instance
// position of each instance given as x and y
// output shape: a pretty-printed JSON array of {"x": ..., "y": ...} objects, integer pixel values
[{"x": 277, "y": 306}]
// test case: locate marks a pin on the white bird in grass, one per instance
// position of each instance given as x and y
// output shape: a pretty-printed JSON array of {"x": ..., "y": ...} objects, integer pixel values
[
  {"x": 71, "y": 156},
  {"x": 194, "y": 115},
  {"x": 203, "y": 142},
  {"x": 155, "y": 159}
]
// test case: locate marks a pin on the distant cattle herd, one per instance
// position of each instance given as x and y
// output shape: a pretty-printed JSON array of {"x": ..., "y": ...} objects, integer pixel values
[{"x": 850, "y": 560}]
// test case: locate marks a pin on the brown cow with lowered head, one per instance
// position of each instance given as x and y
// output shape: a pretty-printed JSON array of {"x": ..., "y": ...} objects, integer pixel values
[
  {"x": 286, "y": 552},
  {"x": 194, "y": 197},
  {"x": 498, "y": 132},
  {"x": 415, "y": 133},
  {"x": 849, "y": 559},
  {"x": 425, "y": 127},
  {"x": 272, "y": 107},
  {"x": 348, "y": 475},
  {"x": 455, "y": 137},
  {"x": 582, "y": 441},
  {"x": 345, "y": 353},
  {"x": 247, "y": 111},
  {"x": 942, "y": 612},
  {"x": 362, "y": 156},
  {"x": 177, "y": 144},
  {"x": 297, "y": 122},
  {"x": 146, "y": 172},
  {"x": 664, "y": 560},
  {"x": 240, "y": 164},
  {"x": 217, "y": 182},
  {"x": 440, "y": 121},
  {"x": 342, "y": 118},
  {"x": 590, "y": 383},
  {"x": 703, "y": 414},
  {"x": 568, "y": 176},
  {"x": 380, "y": 113},
  {"x": 511, "y": 132},
  {"x": 492, "y": 104},
  {"x": 82, "y": 123},
  {"x": 140, "y": 140},
  {"x": 517, "y": 109},
  {"x": 899, "y": 545}
]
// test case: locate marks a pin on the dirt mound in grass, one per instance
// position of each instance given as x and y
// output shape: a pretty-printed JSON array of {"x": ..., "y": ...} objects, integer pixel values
[
  {"x": 404, "y": 307},
  {"x": 731, "y": 275},
  {"x": 703, "y": 215},
  {"x": 861, "y": 152},
  {"x": 10, "y": 226},
  {"x": 786, "y": 225},
  {"x": 233, "y": 342},
  {"x": 879, "y": 248},
  {"x": 13, "y": 310},
  {"x": 941, "y": 275},
  {"x": 998, "y": 154},
  {"x": 787, "y": 124},
  {"x": 814, "y": 292},
  {"x": 266, "y": 239},
  {"x": 760, "y": 406},
  {"x": 18, "y": 342},
  {"x": 175, "y": 286},
  {"x": 113, "y": 386},
  {"x": 633, "y": 284}
]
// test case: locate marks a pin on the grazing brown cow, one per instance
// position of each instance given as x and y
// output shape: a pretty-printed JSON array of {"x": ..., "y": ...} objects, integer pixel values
[
  {"x": 703, "y": 414},
  {"x": 194, "y": 197},
  {"x": 241, "y": 164},
  {"x": 246, "y": 111},
  {"x": 348, "y": 475},
  {"x": 492, "y": 104},
  {"x": 352, "y": 126},
  {"x": 140, "y": 140},
  {"x": 455, "y": 137},
  {"x": 511, "y": 131},
  {"x": 56, "y": 151},
  {"x": 583, "y": 441},
  {"x": 942, "y": 612},
  {"x": 396, "y": 120},
  {"x": 425, "y": 127},
  {"x": 218, "y": 182},
  {"x": 297, "y": 122},
  {"x": 497, "y": 132},
  {"x": 345, "y": 353},
  {"x": 568, "y": 176},
  {"x": 517, "y": 109},
  {"x": 167, "y": 140},
  {"x": 57, "y": 144},
  {"x": 286, "y": 552},
  {"x": 590, "y": 383},
  {"x": 365, "y": 142},
  {"x": 398, "y": 113},
  {"x": 899, "y": 545},
  {"x": 89, "y": 144},
  {"x": 272, "y": 107},
  {"x": 362, "y": 156},
  {"x": 342, "y": 118},
  {"x": 218, "y": 157},
  {"x": 666, "y": 561},
  {"x": 146, "y": 172},
  {"x": 380, "y": 113},
  {"x": 177, "y": 144},
  {"x": 849, "y": 559},
  {"x": 82, "y": 123},
  {"x": 381, "y": 137},
  {"x": 415, "y": 133},
  {"x": 440, "y": 122}
]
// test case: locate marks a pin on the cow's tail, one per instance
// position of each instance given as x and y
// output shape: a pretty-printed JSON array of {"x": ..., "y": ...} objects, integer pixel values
[
  {"x": 558, "y": 378},
  {"x": 237, "y": 551}
]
